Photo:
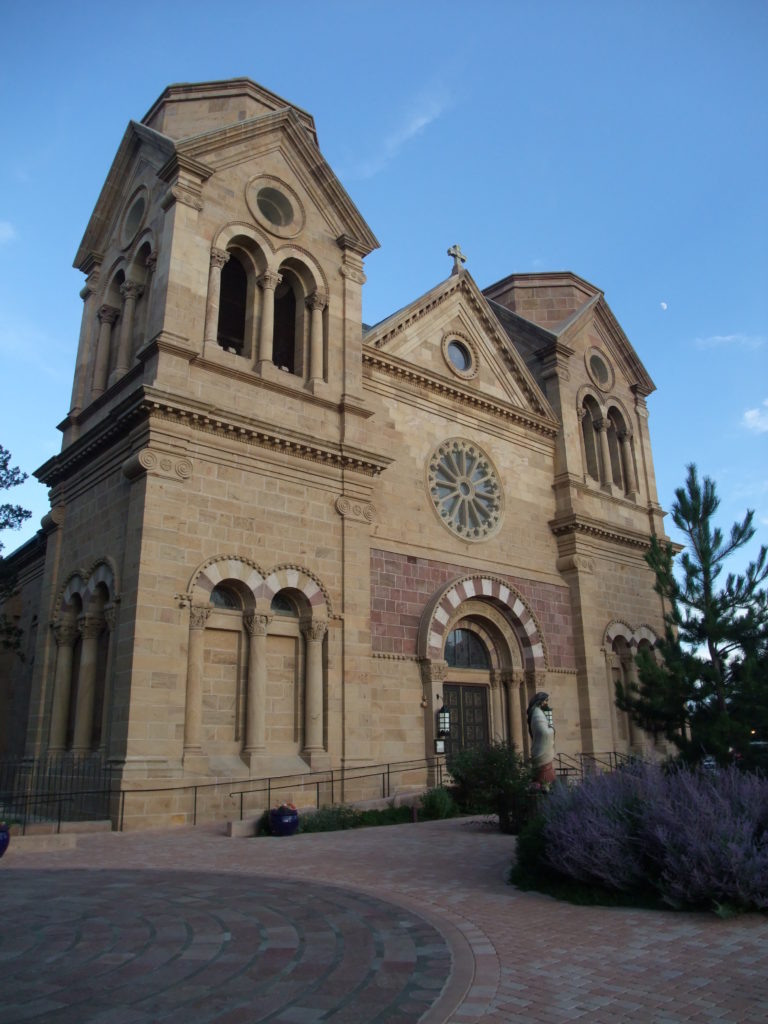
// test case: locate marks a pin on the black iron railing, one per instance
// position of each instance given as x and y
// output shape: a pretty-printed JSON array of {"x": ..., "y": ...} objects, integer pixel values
[{"x": 78, "y": 788}]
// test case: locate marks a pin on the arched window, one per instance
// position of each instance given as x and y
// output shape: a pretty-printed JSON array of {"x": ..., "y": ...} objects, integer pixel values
[
  {"x": 465, "y": 649},
  {"x": 284, "y": 344},
  {"x": 232, "y": 305},
  {"x": 224, "y": 597},
  {"x": 613, "y": 448},
  {"x": 282, "y": 605},
  {"x": 590, "y": 414}
]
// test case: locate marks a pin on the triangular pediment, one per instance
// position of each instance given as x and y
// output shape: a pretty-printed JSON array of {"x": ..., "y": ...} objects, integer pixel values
[
  {"x": 544, "y": 312},
  {"x": 139, "y": 144},
  {"x": 419, "y": 336},
  {"x": 281, "y": 133}
]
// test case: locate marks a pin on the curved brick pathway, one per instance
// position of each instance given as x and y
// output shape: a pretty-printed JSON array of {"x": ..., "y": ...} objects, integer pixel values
[{"x": 396, "y": 924}]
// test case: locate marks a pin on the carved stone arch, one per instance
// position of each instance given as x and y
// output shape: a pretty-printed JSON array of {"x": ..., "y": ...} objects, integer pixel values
[
  {"x": 299, "y": 255},
  {"x": 298, "y": 578},
  {"x": 493, "y": 626},
  {"x": 75, "y": 583},
  {"x": 496, "y": 591},
  {"x": 110, "y": 291},
  {"x": 102, "y": 573},
  {"x": 145, "y": 240},
  {"x": 219, "y": 568},
  {"x": 616, "y": 403},
  {"x": 645, "y": 633},
  {"x": 617, "y": 628},
  {"x": 232, "y": 229},
  {"x": 589, "y": 391}
]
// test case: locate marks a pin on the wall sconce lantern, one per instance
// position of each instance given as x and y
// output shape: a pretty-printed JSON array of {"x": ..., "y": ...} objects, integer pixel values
[{"x": 443, "y": 729}]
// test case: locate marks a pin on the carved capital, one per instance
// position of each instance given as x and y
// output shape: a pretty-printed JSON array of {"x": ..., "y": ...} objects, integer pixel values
[
  {"x": 131, "y": 290},
  {"x": 511, "y": 678},
  {"x": 575, "y": 563},
  {"x": 602, "y": 424},
  {"x": 353, "y": 274},
  {"x": 257, "y": 625},
  {"x": 65, "y": 632},
  {"x": 360, "y": 511},
  {"x": 219, "y": 257},
  {"x": 198, "y": 616},
  {"x": 108, "y": 314},
  {"x": 625, "y": 436},
  {"x": 433, "y": 671},
  {"x": 110, "y": 618},
  {"x": 90, "y": 626},
  {"x": 151, "y": 262},
  {"x": 158, "y": 463},
  {"x": 317, "y": 300},
  {"x": 269, "y": 280},
  {"x": 314, "y": 630}
]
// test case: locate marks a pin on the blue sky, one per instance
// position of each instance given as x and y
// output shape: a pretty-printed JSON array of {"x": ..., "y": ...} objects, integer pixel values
[{"x": 626, "y": 142}]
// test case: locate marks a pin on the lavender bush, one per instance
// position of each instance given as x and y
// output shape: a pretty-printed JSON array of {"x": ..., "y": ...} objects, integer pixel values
[{"x": 696, "y": 839}]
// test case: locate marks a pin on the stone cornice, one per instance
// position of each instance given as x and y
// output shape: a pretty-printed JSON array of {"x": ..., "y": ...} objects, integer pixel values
[
  {"x": 599, "y": 530},
  {"x": 148, "y": 404},
  {"x": 405, "y": 372}
]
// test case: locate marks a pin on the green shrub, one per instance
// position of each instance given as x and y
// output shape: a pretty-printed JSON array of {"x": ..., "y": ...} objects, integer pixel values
[
  {"x": 330, "y": 819},
  {"x": 386, "y": 816},
  {"x": 494, "y": 780},
  {"x": 436, "y": 804}
]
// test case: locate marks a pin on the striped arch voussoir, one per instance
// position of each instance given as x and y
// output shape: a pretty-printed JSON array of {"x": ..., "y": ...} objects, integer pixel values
[
  {"x": 262, "y": 584},
  {"x": 442, "y": 610}
]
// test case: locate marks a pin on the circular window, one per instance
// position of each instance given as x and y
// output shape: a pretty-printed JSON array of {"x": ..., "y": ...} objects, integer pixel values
[
  {"x": 460, "y": 356},
  {"x": 599, "y": 369},
  {"x": 465, "y": 489},
  {"x": 133, "y": 219},
  {"x": 275, "y": 206}
]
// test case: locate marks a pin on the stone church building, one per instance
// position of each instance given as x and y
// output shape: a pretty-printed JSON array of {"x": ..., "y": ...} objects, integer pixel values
[{"x": 280, "y": 539}]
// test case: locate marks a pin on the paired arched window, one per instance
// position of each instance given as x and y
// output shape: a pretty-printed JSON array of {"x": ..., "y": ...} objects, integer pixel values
[
  {"x": 607, "y": 448},
  {"x": 269, "y": 316}
]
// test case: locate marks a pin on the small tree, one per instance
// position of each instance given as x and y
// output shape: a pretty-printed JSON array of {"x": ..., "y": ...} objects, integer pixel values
[
  {"x": 11, "y": 518},
  {"x": 710, "y": 689}
]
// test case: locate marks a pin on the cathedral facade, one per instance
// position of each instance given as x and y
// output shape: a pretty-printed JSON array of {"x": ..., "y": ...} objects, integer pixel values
[{"x": 279, "y": 539}]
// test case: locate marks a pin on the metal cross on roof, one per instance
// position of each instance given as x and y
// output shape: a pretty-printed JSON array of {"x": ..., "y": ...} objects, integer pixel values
[{"x": 458, "y": 258}]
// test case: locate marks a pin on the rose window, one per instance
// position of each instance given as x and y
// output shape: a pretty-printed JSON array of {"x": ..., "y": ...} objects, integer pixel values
[{"x": 465, "y": 489}]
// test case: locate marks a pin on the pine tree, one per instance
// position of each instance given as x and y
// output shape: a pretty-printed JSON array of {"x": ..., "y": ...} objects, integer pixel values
[
  {"x": 708, "y": 692},
  {"x": 11, "y": 517}
]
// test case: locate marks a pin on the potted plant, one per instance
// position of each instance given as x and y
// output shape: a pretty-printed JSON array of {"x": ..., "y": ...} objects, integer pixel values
[
  {"x": 5, "y": 837},
  {"x": 284, "y": 820}
]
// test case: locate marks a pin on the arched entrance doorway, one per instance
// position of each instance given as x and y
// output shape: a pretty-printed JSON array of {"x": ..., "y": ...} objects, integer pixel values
[{"x": 482, "y": 655}]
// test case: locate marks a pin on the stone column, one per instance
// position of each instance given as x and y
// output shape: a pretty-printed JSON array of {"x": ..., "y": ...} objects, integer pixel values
[
  {"x": 65, "y": 632},
  {"x": 268, "y": 282},
  {"x": 130, "y": 291},
  {"x": 313, "y": 632},
  {"x": 630, "y": 481},
  {"x": 110, "y": 618},
  {"x": 88, "y": 295},
  {"x": 497, "y": 716},
  {"x": 107, "y": 317},
  {"x": 218, "y": 258},
  {"x": 636, "y": 734},
  {"x": 193, "y": 710},
  {"x": 316, "y": 303},
  {"x": 511, "y": 681},
  {"x": 91, "y": 627},
  {"x": 612, "y": 666},
  {"x": 256, "y": 693},
  {"x": 602, "y": 432}
]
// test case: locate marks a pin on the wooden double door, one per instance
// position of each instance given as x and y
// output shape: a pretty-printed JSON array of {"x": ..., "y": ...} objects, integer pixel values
[{"x": 468, "y": 706}]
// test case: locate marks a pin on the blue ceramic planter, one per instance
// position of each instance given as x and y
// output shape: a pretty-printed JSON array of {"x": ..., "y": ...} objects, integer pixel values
[{"x": 283, "y": 821}]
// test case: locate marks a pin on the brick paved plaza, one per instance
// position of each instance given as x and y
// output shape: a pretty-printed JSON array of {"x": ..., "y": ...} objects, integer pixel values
[{"x": 395, "y": 924}]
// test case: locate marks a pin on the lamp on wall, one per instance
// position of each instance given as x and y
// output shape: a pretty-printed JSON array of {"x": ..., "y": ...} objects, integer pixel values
[{"x": 443, "y": 728}]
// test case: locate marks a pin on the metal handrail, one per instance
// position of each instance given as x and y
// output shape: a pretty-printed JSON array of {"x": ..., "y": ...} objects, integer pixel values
[{"x": 300, "y": 780}]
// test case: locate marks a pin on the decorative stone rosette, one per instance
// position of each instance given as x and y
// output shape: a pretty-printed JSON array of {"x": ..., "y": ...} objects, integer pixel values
[{"x": 465, "y": 489}]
